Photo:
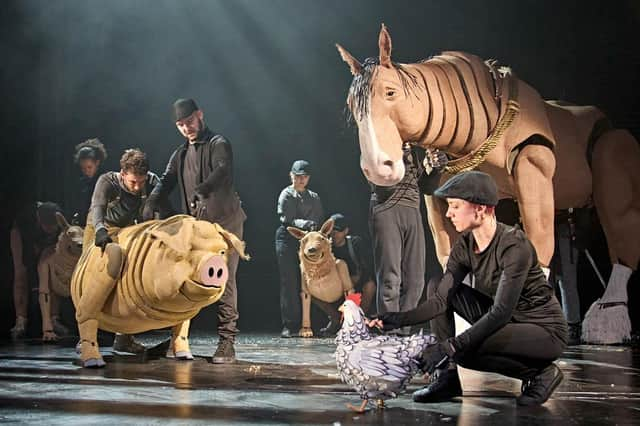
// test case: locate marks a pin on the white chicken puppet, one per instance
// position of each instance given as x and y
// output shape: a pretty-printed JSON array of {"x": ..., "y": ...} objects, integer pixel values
[{"x": 377, "y": 367}]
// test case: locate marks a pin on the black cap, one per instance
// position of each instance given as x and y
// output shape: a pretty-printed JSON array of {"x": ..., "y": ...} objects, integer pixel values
[
  {"x": 475, "y": 187},
  {"x": 182, "y": 108},
  {"x": 339, "y": 222},
  {"x": 300, "y": 167}
]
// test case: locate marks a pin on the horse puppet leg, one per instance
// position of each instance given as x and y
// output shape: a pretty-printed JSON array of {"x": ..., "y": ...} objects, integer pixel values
[
  {"x": 442, "y": 230},
  {"x": 98, "y": 281},
  {"x": 616, "y": 189},
  {"x": 533, "y": 174}
]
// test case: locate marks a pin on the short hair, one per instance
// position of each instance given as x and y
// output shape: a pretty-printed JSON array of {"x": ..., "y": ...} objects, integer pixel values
[
  {"x": 134, "y": 161},
  {"x": 91, "y": 149}
]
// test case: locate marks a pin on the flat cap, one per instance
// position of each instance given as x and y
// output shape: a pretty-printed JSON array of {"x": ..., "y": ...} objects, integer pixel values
[{"x": 475, "y": 187}]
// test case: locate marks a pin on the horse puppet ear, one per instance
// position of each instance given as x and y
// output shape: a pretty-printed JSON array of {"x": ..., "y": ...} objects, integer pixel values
[
  {"x": 384, "y": 43},
  {"x": 354, "y": 65}
]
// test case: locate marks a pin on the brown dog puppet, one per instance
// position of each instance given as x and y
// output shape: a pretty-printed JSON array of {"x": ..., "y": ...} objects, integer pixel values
[
  {"x": 54, "y": 276},
  {"x": 154, "y": 275},
  {"x": 323, "y": 276}
]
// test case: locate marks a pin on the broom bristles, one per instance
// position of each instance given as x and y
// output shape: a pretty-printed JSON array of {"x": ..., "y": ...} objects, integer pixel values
[{"x": 606, "y": 325}]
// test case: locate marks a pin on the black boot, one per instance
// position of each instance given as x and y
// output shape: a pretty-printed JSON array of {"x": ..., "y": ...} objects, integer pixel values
[
  {"x": 126, "y": 343},
  {"x": 444, "y": 384},
  {"x": 331, "y": 328},
  {"x": 225, "y": 353},
  {"x": 538, "y": 389},
  {"x": 575, "y": 334}
]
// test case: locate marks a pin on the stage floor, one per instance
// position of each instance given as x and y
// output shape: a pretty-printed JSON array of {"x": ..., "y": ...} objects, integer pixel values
[{"x": 289, "y": 381}]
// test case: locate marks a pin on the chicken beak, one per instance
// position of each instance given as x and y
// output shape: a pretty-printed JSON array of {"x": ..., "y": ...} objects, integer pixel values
[{"x": 341, "y": 309}]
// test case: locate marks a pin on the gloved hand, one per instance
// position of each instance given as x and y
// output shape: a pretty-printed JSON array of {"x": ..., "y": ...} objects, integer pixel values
[
  {"x": 198, "y": 205},
  {"x": 390, "y": 320},
  {"x": 149, "y": 210},
  {"x": 102, "y": 238},
  {"x": 434, "y": 159},
  {"x": 437, "y": 356}
]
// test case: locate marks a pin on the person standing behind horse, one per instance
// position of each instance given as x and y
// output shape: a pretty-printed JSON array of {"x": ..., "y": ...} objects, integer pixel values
[
  {"x": 302, "y": 208},
  {"x": 399, "y": 248},
  {"x": 118, "y": 201},
  {"x": 202, "y": 168}
]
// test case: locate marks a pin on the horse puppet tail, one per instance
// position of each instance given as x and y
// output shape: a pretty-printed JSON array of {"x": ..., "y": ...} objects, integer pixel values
[{"x": 616, "y": 195}]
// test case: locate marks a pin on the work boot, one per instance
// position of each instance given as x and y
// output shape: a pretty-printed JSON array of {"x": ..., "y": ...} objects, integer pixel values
[
  {"x": 575, "y": 333},
  {"x": 126, "y": 343},
  {"x": 443, "y": 385},
  {"x": 225, "y": 354},
  {"x": 538, "y": 389}
]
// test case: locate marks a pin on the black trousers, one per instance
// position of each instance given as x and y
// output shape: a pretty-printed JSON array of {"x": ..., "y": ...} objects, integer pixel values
[
  {"x": 289, "y": 266},
  {"x": 518, "y": 350},
  {"x": 399, "y": 257}
]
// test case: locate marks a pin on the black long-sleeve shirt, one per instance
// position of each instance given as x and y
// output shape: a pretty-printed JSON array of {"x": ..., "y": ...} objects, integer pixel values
[
  {"x": 300, "y": 209},
  {"x": 114, "y": 205},
  {"x": 507, "y": 271},
  {"x": 204, "y": 167}
]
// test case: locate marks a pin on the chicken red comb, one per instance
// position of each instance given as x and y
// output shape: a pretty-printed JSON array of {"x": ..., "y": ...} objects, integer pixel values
[{"x": 355, "y": 298}]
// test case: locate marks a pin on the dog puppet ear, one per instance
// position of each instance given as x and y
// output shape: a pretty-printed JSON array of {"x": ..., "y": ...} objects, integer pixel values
[
  {"x": 62, "y": 222},
  {"x": 327, "y": 227},
  {"x": 297, "y": 233}
]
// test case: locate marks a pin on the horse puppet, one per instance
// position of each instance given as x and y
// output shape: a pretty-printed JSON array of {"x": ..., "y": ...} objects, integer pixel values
[{"x": 547, "y": 155}]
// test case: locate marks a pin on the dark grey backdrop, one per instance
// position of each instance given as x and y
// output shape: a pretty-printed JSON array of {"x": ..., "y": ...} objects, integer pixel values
[{"x": 267, "y": 75}]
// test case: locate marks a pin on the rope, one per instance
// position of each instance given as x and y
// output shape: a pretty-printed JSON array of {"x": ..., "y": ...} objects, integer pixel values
[{"x": 477, "y": 157}]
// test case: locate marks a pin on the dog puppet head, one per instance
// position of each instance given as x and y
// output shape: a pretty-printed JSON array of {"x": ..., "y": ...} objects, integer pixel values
[{"x": 315, "y": 246}]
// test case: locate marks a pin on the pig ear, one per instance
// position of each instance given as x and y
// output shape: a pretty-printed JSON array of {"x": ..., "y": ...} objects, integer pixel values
[
  {"x": 175, "y": 234},
  {"x": 62, "y": 221},
  {"x": 297, "y": 233},
  {"x": 233, "y": 241},
  {"x": 327, "y": 227}
]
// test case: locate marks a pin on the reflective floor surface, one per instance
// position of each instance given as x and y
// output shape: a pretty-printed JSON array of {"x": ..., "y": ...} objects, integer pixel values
[{"x": 288, "y": 381}]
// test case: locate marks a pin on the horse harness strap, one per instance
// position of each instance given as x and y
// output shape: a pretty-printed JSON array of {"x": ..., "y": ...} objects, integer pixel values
[{"x": 477, "y": 156}]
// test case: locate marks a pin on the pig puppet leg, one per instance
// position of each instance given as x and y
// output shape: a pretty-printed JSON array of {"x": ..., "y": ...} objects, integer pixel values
[
  {"x": 103, "y": 270},
  {"x": 179, "y": 347}
]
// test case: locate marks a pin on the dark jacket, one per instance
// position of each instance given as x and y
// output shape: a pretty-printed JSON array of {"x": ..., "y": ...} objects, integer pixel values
[
  {"x": 113, "y": 205},
  {"x": 215, "y": 183}
]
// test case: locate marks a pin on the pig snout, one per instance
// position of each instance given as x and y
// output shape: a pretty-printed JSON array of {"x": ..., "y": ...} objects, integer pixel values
[{"x": 213, "y": 271}]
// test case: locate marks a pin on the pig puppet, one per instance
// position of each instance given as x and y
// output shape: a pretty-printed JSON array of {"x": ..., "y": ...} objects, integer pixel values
[{"x": 156, "y": 274}]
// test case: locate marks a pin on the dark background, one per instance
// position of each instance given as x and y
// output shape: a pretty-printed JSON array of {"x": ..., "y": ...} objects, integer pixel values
[{"x": 268, "y": 77}]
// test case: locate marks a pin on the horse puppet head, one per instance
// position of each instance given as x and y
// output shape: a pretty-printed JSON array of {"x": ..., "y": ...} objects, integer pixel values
[{"x": 386, "y": 109}]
